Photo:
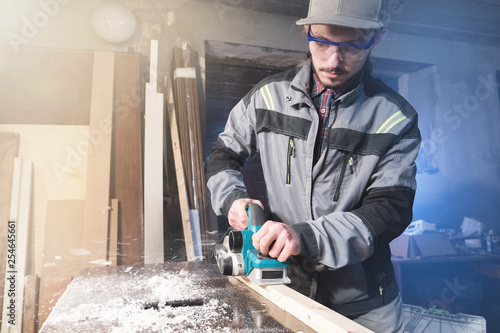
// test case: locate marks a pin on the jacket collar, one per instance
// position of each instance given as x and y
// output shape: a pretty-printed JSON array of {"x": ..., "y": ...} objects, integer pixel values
[{"x": 300, "y": 87}]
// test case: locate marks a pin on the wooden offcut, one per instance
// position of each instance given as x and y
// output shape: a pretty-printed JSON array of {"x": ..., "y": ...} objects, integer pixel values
[
  {"x": 310, "y": 312},
  {"x": 96, "y": 214},
  {"x": 180, "y": 176}
]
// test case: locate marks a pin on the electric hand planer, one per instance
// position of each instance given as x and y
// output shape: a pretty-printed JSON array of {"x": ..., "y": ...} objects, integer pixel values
[{"x": 237, "y": 256}]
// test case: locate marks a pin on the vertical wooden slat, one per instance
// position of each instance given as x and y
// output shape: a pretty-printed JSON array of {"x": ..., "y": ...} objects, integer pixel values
[
  {"x": 9, "y": 145},
  {"x": 153, "y": 166},
  {"x": 96, "y": 214},
  {"x": 179, "y": 171},
  {"x": 30, "y": 310},
  {"x": 3, "y": 256},
  {"x": 113, "y": 232},
  {"x": 17, "y": 240}
]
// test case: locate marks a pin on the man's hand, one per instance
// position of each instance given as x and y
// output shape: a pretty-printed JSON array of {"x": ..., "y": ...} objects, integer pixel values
[
  {"x": 237, "y": 216},
  {"x": 286, "y": 241}
]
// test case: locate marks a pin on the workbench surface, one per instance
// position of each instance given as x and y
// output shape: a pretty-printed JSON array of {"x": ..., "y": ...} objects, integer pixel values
[{"x": 170, "y": 297}]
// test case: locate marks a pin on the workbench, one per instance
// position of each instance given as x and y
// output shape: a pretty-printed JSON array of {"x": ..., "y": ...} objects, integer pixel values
[{"x": 169, "y": 297}]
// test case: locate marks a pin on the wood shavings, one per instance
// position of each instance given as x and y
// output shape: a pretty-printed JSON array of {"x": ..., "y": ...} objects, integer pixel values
[
  {"x": 126, "y": 313},
  {"x": 171, "y": 297}
]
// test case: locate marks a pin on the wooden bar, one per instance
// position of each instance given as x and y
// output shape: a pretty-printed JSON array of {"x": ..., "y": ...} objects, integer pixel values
[
  {"x": 179, "y": 171},
  {"x": 310, "y": 312}
]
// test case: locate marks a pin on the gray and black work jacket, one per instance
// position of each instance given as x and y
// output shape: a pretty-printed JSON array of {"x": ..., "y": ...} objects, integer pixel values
[{"x": 352, "y": 202}]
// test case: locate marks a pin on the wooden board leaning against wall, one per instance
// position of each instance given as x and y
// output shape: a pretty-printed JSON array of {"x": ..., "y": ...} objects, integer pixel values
[{"x": 52, "y": 130}]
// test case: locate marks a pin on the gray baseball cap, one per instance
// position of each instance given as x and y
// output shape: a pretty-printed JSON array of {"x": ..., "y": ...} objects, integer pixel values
[{"x": 362, "y": 14}]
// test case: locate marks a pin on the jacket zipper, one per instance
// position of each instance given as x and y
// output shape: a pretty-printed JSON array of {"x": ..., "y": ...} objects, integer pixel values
[
  {"x": 291, "y": 146},
  {"x": 348, "y": 160}
]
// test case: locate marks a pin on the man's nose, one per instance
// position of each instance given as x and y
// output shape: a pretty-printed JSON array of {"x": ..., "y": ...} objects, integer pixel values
[{"x": 334, "y": 58}]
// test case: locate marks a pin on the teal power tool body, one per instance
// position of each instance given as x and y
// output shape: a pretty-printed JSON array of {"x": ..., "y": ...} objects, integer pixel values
[{"x": 237, "y": 256}]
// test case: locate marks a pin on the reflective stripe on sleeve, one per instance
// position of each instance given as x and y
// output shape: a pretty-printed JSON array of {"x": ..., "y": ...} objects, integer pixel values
[{"x": 390, "y": 124}]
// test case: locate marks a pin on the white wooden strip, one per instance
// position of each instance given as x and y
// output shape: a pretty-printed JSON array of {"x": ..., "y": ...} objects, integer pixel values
[
  {"x": 310, "y": 312},
  {"x": 194, "y": 218},
  {"x": 153, "y": 64},
  {"x": 113, "y": 232},
  {"x": 153, "y": 166},
  {"x": 17, "y": 240},
  {"x": 9, "y": 145},
  {"x": 96, "y": 213}
]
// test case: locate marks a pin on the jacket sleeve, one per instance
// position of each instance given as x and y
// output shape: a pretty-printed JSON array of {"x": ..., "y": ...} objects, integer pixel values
[
  {"x": 234, "y": 146},
  {"x": 382, "y": 214}
]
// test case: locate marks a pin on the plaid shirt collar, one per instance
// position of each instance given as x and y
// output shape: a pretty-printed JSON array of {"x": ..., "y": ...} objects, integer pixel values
[{"x": 317, "y": 87}]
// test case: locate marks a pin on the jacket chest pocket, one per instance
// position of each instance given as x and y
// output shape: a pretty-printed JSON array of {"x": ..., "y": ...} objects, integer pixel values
[
  {"x": 290, "y": 152},
  {"x": 282, "y": 131},
  {"x": 346, "y": 168}
]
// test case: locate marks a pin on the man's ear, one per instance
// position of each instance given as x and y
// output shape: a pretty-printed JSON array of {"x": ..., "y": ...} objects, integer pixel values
[{"x": 380, "y": 35}]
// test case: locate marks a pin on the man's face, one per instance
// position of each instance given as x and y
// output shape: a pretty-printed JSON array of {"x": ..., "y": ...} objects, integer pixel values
[{"x": 332, "y": 71}]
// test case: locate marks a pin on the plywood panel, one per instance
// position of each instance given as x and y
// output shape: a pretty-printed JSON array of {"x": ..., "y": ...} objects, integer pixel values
[
  {"x": 58, "y": 84},
  {"x": 126, "y": 176},
  {"x": 59, "y": 155},
  {"x": 96, "y": 214}
]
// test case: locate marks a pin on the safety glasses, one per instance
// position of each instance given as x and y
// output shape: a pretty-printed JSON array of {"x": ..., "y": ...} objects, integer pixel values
[{"x": 346, "y": 51}]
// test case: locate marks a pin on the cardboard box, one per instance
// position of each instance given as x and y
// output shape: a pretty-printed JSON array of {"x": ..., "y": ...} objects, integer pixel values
[{"x": 425, "y": 245}]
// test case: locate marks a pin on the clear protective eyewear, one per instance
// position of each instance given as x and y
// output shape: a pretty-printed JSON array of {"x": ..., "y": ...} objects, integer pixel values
[{"x": 346, "y": 51}]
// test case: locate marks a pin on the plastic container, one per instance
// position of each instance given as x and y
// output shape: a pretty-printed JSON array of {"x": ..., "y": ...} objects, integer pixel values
[
  {"x": 419, "y": 320},
  {"x": 489, "y": 241}
]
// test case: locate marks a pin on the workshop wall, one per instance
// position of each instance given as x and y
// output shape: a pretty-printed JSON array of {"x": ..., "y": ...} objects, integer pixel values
[
  {"x": 456, "y": 96},
  {"x": 458, "y": 104}
]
